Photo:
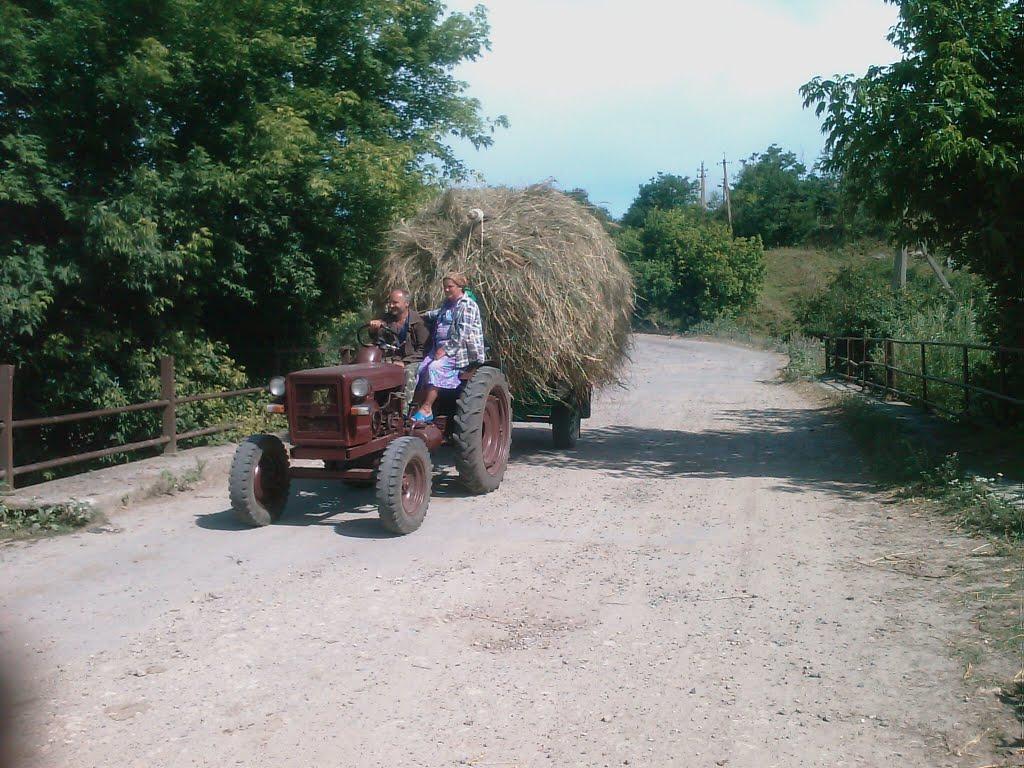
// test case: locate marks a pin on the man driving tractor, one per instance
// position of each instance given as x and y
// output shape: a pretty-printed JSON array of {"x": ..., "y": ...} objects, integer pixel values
[{"x": 411, "y": 332}]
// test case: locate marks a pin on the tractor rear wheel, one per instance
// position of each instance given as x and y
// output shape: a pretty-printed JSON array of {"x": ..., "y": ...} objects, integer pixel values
[
  {"x": 565, "y": 425},
  {"x": 258, "y": 482},
  {"x": 482, "y": 430},
  {"x": 403, "y": 484}
]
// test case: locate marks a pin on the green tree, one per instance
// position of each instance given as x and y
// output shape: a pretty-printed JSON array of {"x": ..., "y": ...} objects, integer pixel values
[
  {"x": 771, "y": 199},
  {"x": 689, "y": 268},
  {"x": 210, "y": 179},
  {"x": 776, "y": 198},
  {"x": 663, "y": 192},
  {"x": 934, "y": 144}
]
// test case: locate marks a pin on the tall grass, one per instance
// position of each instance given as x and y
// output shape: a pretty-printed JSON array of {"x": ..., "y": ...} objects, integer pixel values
[
  {"x": 954, "y": 323},
  {"x": 904, "y": 461}
]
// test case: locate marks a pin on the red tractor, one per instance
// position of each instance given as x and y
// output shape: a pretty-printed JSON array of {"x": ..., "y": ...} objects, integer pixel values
[{"x": 354, "y": 418}]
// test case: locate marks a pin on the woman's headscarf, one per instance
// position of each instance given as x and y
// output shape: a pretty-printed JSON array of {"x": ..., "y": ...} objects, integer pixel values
[{"x": 458, "y": 278}]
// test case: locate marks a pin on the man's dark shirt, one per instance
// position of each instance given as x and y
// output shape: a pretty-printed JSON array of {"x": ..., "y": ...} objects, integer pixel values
[{"x": 413, "y": 339}]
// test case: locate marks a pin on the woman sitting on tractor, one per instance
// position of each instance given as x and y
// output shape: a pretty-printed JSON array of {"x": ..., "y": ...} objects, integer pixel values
[{"x": 457, "y": 344}]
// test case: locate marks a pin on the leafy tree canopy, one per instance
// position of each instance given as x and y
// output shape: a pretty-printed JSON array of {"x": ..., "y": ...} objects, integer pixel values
[
  {"x": 934, "y": 144},
  {"x": 209, "y": 177},
  {"x": 771, "y": 198},
  {"x": 664, "y": 192},
  {"x": 776, "y": 198}
]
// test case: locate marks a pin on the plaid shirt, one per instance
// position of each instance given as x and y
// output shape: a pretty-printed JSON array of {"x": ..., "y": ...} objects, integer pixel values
[{"x": 466, "y": 337}]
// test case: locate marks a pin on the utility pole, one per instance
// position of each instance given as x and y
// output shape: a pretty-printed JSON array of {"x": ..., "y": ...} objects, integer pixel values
[
  {"x": 703, "y": 187},
  {"x": 725, "y": 190},
  {"x": 899, "y": 270}
]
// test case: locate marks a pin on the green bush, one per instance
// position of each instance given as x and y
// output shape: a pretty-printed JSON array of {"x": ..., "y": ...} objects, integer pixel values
[
  {"x": 209, "y": 180},
  {"x": 49, "y": 519},
  {"x": 689, "y": 268},
  {"x": 860, "y": 301}
]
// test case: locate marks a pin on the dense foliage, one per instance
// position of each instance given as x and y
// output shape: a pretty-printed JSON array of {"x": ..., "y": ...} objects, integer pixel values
[
  {"x": 934, "y": 144},
  {"x": 776, "y": 198},
  {"x": 210, "y": 180},
  {"x": 663, "y": 193},
  {"x": 859, "y": 300},
  {"x": 688, "y": 268}
]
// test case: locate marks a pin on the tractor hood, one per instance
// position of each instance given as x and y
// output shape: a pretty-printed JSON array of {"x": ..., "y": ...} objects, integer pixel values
[
  {"x": 320, "y": 400},
  {"x": 384, "y": 372}
]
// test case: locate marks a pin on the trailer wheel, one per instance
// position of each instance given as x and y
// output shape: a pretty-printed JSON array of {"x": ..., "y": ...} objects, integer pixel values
[
  {"x": 403, "y": 484},
  {"x": 258, "y": 482},
  {"x": 482, "y": 430},
  {"x": 565, "y": 425}
]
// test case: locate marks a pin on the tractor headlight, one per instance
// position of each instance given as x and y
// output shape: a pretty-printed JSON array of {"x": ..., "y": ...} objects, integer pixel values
[
  {"x": 276, "y": 386},
  {"x": 360, "y": 387}
]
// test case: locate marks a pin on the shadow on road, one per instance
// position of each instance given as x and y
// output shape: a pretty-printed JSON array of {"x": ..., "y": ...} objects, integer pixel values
[
  {"x": 802, "y": 448},
  {"x": 315, "y": 502},
  {"x": 311, "y": 502}
]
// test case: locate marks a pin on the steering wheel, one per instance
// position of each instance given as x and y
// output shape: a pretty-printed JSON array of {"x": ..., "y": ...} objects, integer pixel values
[{"x": 386, "y": 339}]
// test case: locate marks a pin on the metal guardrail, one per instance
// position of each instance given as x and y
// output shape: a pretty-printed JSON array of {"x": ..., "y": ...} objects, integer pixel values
[
  {"x": 169, "y": 437},
  {"x": 858, "y": 360}
]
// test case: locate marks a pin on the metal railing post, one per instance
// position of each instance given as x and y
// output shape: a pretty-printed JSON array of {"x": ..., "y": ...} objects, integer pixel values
[
  {"x": 168, "y": 392},
  {"x": 924, "y": 374},
  {"x": 890, "y": 374},
  {"x": 864, "y": 362},
  {"x": 7, "y": 416}
]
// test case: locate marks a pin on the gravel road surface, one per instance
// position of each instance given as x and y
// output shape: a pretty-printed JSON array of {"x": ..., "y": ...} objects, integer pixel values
[{"x": 687, "y": 588}]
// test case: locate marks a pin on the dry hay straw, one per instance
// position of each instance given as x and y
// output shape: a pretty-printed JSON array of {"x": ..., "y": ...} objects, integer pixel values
[{"x": 556, "y": 297}]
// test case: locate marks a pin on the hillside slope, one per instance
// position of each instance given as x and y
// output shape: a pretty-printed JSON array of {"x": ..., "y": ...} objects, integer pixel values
[{"x": 793, "y": 274}]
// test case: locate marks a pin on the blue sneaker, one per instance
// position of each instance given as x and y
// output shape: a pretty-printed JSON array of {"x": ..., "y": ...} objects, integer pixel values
[{"x": 422, "y": 418}]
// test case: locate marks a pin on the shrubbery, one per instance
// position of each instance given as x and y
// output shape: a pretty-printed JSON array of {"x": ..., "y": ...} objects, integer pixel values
[
  {"x": 208, "y": 180},
  {"x": 860, "y": 300},
  {"x": 688, "y": 268}
]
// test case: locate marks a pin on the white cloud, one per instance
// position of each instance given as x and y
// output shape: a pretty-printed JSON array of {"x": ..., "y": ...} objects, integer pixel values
[{"x": 599, "y": 92}]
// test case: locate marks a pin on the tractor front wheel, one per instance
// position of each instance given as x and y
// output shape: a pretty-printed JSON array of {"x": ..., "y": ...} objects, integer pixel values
[
  {"x": 403, "y": 484},
  {"x": 258, "y": 482},
  {"x": 482, "y": 430}
]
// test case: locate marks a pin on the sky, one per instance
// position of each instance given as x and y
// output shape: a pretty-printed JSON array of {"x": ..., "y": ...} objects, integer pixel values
[{"x": 603, "y": 94}]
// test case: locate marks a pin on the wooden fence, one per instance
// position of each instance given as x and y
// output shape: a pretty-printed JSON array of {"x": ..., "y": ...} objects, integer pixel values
[{"x": 167, "y": 404}]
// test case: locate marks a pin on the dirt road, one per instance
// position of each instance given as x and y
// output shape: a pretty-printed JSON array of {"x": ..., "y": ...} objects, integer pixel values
[{"x": 684, "y": 589}]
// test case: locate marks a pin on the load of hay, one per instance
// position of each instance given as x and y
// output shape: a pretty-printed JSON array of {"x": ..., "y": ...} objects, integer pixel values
[{"x": 556, "y": 297}]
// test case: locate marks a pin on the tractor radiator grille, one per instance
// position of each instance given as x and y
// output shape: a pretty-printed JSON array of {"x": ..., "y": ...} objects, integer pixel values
[{"x": 317, "y": 409}]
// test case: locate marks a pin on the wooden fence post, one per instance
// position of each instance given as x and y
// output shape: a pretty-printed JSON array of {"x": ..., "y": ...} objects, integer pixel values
[
  {"x": 828, "y": 366},
  {"x": 967, "y": 381},
  {"x": 168, "y": 392},
  {"x": 924, "y": 374},
  {"x": 890, "y": 374},
  {"x": 7, "y": 416}
]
